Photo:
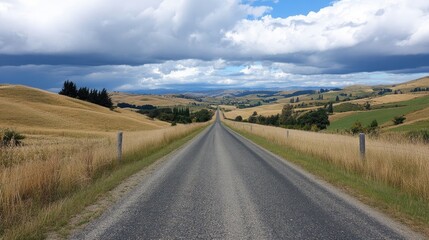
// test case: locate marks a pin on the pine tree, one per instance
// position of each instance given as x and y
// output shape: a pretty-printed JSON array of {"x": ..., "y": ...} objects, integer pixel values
[
  {"x": 69, "y": 89},
  {"x": 83, "y": 93},
  {"x": 104, "y": 99},
  {"x": 93, "y": 96},
  {"x": 330, "y": 108}
]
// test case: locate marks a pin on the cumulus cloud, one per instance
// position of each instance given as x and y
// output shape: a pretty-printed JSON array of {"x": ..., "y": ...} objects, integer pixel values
[
  {"x": 135, "y": 44},
  {"x": 132, "y": 29},
  {"x": 344, "y": 37},
  {"x": 385, "y": 26},
  {"x": 180, "y": 75}
]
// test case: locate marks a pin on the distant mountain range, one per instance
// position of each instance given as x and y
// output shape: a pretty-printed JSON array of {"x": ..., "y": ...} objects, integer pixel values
[{"x": 222, "y": 92}]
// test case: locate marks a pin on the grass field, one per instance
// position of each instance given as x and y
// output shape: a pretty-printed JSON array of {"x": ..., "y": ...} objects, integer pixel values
[
  {"x": 414, "y": 126},
  {"x": 406, "y": 208},
  {"x": 58, "y": 181},
  {"x": 418, "y": 120},
  {"x": 69, "y": 144},
  {"x": 48, "y": 169},
  {"x": 397, "y": 173},
  {"x": 155, "y": 100},
  {"x": 422, "y": 82},
  {"x": 392, "y": 98},
  {"x": 265, "y": 110},
  {"x": 383, "y": 116},
  {"x": 29, "y": 109}
]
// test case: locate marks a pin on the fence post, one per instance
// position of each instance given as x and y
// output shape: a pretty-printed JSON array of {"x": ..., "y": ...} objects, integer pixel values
[
  {"x": 287, "y": 133},
  {"x": 362, "y": 145},
  {"x": 120, "y": 146}
]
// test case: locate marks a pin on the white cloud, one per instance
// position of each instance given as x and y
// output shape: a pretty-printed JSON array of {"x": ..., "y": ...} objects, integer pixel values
[
  {"x": 153, "y": 28},
  {"x": 383, "y": 26},
  {"x": 180, "y": 74},
  {"x": 166, "y": 29},
  {"x": 181, "y": 39}
]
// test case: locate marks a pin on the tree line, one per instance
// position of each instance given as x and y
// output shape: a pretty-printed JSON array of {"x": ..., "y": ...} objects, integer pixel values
[
  {"x": 313, "y": 120},
  {"x": 178, "y": 115},
  {"x": 95, "y": 96}
]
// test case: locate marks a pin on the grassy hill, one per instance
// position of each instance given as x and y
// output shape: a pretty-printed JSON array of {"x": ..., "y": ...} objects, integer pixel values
[
  {"x": 407, "y": 86},
  {"x": 156, "y": 100},
  {"x": 384, "y": 113},
  {"x": 33, "y": 109}
]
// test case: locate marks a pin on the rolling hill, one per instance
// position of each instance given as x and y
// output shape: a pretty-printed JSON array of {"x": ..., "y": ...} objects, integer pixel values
[
  {"x": 155, "y": 100},
  {"x": 383, "y": 115},
  {"x": 32, "y": 109},
  {"x": 407, "y": 86},
  {"x": 385, "y": 106}
]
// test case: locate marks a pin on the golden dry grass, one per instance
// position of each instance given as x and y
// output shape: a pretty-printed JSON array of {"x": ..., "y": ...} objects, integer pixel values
[
  {"x": 393, "y": 98},
  {"x": 46, "y": 169},
  {"x": 137, "y": 99},
  {"x": 417, "y": 116},
  {"x": 412, "y": 118},
  {"x": 265, "y": 110},
  {"x": 227, "y": 107},
  {"x": 22, "y": 107},
  {"x": 337, "y": 116},
  {"x": 68, "y": 142},
  {"x": 399, "y": 164},
  {"x": 421, "y": 82},
  {"x": 272, "y": 109},
  {"x": 358, "y": 88}
]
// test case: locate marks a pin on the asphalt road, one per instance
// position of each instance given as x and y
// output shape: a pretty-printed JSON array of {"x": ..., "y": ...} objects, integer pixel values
[{"x": 221, "y": 186}]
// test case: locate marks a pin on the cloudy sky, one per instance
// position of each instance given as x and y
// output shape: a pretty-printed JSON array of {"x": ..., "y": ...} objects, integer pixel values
[{"x": 135, "y": 45}]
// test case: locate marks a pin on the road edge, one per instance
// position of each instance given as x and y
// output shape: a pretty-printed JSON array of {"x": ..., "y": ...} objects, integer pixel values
[
  {"x": 361, "y": 206},
  {"x": 91, "y": 213}
]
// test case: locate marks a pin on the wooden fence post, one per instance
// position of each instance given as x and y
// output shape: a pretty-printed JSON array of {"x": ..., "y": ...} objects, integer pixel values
[
  {"x": 287, "y": 133},
  {"x": 120, "y": 134},
  {"x": 362, "y": 145}
]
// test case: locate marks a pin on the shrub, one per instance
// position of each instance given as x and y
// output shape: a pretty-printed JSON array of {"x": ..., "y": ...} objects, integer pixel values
[
  {"x": 286, "y": 117},
  {"x": 398, "y": 120},
  {"x": 347, "y": 107},
  {"x": 373, "y": 128},
  {"x": 314, "y": 128},
  {"x": 367, "y": 106},
  {"x": 239, "y": 118},
  {"x": 252, "y": 119},
  {"x": 11, "y": 138},
  {"x": 319, "y": 118},
  {"x": 356, "y": 128}
]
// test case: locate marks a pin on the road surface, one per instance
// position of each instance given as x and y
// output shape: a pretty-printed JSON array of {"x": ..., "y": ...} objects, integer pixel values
[{"x": 224, "y": 187}]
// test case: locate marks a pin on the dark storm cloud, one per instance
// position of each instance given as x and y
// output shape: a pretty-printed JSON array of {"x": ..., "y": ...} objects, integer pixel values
[{"x": 156, "y": 43}]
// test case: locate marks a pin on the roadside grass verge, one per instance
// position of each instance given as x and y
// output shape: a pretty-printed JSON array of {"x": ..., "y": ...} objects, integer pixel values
[
  {"x": 32, "y": 220},
  {"x": 391, "y": 196}
]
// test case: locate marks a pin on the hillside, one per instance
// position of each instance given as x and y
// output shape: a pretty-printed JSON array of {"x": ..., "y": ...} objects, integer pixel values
[
  {"x": 156, "y": 100},
  {"x": 33, "y": 109},
  {"x": 407, "y": 86},
  {"x": 385, "y": 105},
  {"x": 384, "y": 113}
]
